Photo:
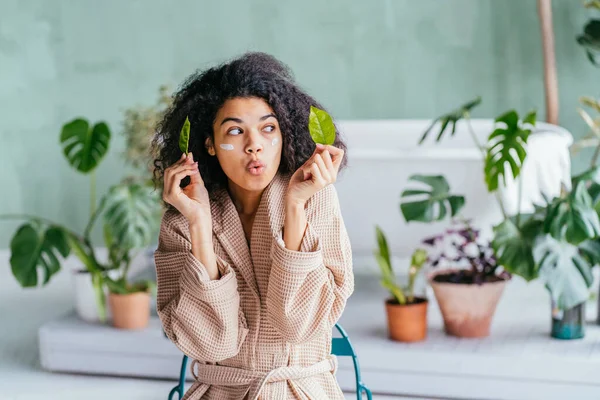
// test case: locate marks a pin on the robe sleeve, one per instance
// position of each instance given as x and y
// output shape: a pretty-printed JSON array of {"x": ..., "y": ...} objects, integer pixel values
[
  {"x": 201, "y": 316},
  {"x": 308, "y": 289}
]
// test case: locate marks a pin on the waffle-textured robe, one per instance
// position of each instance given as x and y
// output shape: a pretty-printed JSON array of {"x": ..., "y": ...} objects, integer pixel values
[{"x": 264, "y": 329}]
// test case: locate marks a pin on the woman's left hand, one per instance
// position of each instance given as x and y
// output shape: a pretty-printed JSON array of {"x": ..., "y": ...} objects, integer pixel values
[{"x": 320, "y": 170}]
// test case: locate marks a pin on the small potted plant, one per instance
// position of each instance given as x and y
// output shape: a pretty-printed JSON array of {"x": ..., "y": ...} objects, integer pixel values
[
  {"x": 131, "y": 213},
  {"x": 468, "y": 283},
  {"x": 406, "y": 313},
  {"x": 559, "y": 242}
]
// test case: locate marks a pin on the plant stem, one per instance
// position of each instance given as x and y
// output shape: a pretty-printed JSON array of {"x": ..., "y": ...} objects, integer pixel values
[
  {"x": 548, "y": 48},
  {"x": 92, "y": 193},
  {"x": 519, "y": 196},
  {"x": 482, "y": 149},
  {"x": 595, "y": 156}
]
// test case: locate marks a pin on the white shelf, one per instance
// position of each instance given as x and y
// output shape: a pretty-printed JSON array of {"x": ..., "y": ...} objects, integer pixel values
[{"x": 518, "y": 361}]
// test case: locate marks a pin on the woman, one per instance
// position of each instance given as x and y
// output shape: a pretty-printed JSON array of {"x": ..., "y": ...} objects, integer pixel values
[{"x": 254, "y": 264}]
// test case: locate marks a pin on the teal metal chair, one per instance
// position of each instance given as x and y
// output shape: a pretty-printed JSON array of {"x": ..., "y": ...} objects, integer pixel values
[{"x": 340, "y": 346}]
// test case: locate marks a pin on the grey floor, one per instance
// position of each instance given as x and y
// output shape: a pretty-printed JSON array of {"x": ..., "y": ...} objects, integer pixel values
[{"x": 21, "y": 378}]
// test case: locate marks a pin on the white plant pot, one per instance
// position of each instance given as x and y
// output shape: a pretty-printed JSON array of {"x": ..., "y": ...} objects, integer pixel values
[{"x": 85, "y": 297}]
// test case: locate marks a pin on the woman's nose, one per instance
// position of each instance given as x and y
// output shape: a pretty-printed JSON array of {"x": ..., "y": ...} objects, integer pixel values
[{"x": 254, "y": 145}]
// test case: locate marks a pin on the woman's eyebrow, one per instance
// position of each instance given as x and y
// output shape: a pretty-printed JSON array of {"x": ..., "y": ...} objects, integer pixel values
[
  {"x": 268, "y": 116},
  {"x": 239, "y": 121}
]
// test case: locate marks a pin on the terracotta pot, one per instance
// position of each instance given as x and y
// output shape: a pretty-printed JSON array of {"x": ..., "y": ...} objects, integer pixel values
[
  {"x": 130, "y": 311},
  {"x": 467, "y": 309},
  {"x": 407, "y": 322}
]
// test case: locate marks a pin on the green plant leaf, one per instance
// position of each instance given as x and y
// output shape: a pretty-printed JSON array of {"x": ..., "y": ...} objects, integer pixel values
[
  {"x": 321, "y": 126},
  {"x": 131, "y": 214},
  {"x": 84, "y": 255},
  {"x": 573, "y": 217},
  {"x": 566, "y": 274},
  {"x": 120, "y": 286},
  {"x": 84, "y": 148},
  {"x": 513, "y": 247},
  {"x": 184, "y": 136},
  {"x": 451, "y": 119},
  {"x": 430, "y": 205},
  {"x": 383, "y": 257},
  {"x": 36, "y": 247},
  {"x": 590, "y": 40},
  {"x": 506, "y": 145}
]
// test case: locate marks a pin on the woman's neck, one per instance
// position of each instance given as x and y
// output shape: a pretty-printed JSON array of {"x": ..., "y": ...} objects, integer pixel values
[{"x": 245, "y": 202}]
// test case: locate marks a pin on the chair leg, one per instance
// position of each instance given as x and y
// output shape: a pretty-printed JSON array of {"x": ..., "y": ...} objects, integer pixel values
[
  {"x": 359, "y": 394},
  {"x": 172, "y": 393}
]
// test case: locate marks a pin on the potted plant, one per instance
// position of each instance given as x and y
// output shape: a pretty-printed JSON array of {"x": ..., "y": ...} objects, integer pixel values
[
  {"x": 469, "y": 282},
  {"x": 558, "y": 242},
  {"x": 130, "y": 211},
  {"x": 406, "y": 313}
]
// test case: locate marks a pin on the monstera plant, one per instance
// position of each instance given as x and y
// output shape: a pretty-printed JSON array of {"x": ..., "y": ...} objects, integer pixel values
[
  {"x": 557, "y": 243},
  {"x": 129, "y": 211}
]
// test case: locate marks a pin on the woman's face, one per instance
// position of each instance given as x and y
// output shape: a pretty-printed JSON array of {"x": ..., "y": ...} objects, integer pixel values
[{"x": 245, "y": 131}]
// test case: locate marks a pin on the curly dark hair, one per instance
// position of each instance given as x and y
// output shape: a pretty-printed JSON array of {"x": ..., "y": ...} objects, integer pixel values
[{"x": 253, "y": 74}]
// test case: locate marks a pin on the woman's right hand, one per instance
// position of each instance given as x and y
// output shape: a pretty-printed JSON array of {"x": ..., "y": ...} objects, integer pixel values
[{"x": 192, "y": 201}]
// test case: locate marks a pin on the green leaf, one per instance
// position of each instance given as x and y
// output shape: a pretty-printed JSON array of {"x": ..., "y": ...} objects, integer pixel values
[
  {"x": 321, "y": 127},
  {"x": 590, "y": 40},
  {"x": 506, "y": 145},
  {"x": 514, "y": 247},
  {"x": 184, "y": 136},
  {"x": 573, "y": 217},
  {"x": 120, "y": 286},
  {"x": 84, "y": 148},
  {"x": 430, "y": 205},
  {"x": 451, "y": 119},
  {"x": 36, "y": 247},
  {"x": 131, "y": 215},
  {"x": 84, "y": 256},
  {"x": 566, "y": 274}
]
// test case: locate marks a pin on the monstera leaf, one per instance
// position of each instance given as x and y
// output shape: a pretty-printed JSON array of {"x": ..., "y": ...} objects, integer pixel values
[
  {"x": 430, "y": 205},
  {"x": 506, "y": 145},
  {"x": 84, "y": 147},
  {"x": 321, "y": 127},
  {"x": 451, "y": 119},
  {"x": 130, "y": 215},
  {"x": 565, "y": 272},
  {"x": 573, "y": 217},
  {"x": 590, "y": 40},
  {"x": 36, "y": 247},
  {"x": 513, "y": 246}
]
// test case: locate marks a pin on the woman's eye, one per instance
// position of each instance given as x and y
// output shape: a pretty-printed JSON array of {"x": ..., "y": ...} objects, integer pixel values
[
  {"x": 235, "y": 131},
  {"x": 270, "y": 128}
]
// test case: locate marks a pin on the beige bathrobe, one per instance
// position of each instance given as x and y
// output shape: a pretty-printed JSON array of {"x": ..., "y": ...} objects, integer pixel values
[{"x": 264, "y": 329}]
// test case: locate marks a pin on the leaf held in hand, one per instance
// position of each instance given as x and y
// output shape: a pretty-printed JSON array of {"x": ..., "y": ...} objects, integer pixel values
[
  {"x": 184, "y": 136},
  {"x": 321, "y": 127}
]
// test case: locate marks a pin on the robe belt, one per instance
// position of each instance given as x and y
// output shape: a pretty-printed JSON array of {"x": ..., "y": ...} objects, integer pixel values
[{"x": 220, "y": 375}]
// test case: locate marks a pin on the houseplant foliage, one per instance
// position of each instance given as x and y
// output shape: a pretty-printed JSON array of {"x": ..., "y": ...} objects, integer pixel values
[
  {"x": 558, "y": 241},
  {"x": 128, "y": 211},
  {"x": 406, "y": 313}
]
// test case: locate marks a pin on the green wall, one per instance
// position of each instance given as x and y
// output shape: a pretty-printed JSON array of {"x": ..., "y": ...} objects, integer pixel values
[{"x": 367, "y": 59}]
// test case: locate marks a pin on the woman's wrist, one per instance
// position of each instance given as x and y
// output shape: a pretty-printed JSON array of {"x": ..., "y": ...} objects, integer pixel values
[{"x": 294, "y": 225}]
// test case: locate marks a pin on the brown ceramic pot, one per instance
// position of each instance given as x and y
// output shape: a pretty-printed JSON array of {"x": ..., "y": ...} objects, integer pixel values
[
  {"x": 407, "y": 322},
  {"x": 467, "y": 309},
  {"x": 130, "y": 311}
]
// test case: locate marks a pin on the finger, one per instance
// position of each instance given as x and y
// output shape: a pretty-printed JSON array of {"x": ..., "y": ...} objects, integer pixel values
[
  {"x": 316, "y": 173},
  {"x": 175, "y": 169},
  {"x": 330, "y": 166},
  {"x": 328, "y": 161},
  {"x": 322, "y": 168},
  {"x": 337, "y": 156}
]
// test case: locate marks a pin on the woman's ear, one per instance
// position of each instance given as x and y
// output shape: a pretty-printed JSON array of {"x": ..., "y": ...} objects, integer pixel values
[{"x": 209, "y": 146}]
